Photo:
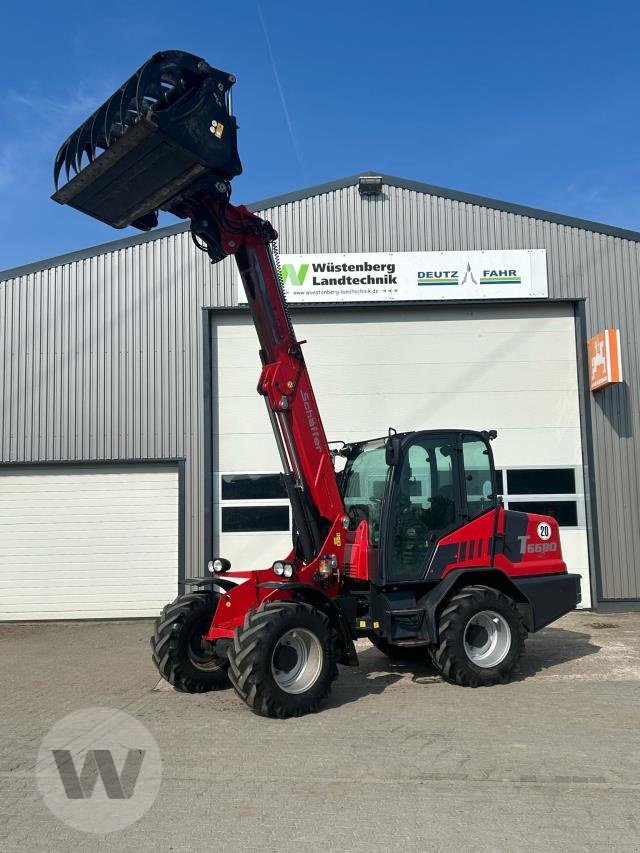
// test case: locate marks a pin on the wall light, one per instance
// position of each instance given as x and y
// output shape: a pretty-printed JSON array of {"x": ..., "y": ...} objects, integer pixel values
[{"x": 370, "y": 185}]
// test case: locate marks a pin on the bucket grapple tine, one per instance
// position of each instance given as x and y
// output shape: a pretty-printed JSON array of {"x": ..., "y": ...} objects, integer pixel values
[
  {"x": 149, "y": 85},
  {"x": 142, "y": 77},
  {"x": 70, "y": 153},
  {"x": 83, "y": 151},
  {"x": 96, "y": 136},
  {"x": 112, "y": 115},
  {"x": 126, "y": 99},
  {"x": 82, "y": 144},
  {"x": 58, "y": 163}
]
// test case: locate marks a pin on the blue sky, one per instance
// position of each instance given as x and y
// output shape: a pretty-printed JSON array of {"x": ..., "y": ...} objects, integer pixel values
[{"x": 531, "y": 103}]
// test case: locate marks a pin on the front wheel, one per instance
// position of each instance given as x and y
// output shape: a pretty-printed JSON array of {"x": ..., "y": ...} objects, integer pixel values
[
  {"x": 480, "y": 637},
  {"x": 180, "y": 653},
  {"x": 283, "y": 659}
]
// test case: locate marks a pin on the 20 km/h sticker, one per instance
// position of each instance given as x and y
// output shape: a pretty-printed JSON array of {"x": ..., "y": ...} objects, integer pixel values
[{"x": 544, "y": 530}]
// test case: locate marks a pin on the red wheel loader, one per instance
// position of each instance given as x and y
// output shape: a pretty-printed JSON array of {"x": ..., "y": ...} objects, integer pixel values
[{"x": 408, "y": 545}]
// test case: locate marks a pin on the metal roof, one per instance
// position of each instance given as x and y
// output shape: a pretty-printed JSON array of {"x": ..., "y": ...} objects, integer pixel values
[{"x": 330, "y": 186}]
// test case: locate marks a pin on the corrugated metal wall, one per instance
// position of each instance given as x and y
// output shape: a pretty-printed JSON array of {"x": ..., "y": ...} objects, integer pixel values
[{"x": 102, "y": 357}]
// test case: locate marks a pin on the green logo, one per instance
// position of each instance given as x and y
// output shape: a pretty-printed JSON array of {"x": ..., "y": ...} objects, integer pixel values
[{"x": 295, "y": 276}]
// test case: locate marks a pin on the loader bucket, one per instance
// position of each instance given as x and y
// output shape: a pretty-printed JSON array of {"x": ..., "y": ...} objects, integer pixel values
[{"x": 166, "y": 131}]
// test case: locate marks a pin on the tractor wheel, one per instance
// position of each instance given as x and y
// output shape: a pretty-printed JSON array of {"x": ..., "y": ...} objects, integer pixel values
[
  {"x": 480, "y": 637},
  {"x": 399, "y": 653},
  {"x": 283, "y": 659},
  {"x": 182, "y": 657}
]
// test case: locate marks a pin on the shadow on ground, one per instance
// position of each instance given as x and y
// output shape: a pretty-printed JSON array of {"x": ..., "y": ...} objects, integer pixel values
[
  {"x": 550, "y": 648},
  {"x": 377, "y": 672},
  {"x": 553, "y": 647}
]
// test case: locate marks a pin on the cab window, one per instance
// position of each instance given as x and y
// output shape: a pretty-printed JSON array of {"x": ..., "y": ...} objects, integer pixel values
[
  {"x": 364, "y": 482},
  {"x": 478, "y": 479}
]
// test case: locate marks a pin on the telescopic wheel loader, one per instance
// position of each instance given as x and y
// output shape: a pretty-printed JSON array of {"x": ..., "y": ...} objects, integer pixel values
[{"x": 408, "y": 545}]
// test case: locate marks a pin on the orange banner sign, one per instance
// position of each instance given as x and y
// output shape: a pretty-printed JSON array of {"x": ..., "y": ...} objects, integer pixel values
[{"x": 605, "y": 367}]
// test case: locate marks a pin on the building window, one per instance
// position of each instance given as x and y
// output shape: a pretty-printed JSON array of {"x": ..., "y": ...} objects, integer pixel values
[
  {"x": 564, "y": 512},
  {"x": 253, "y": 503},
  {"x": 541, "y": 481},
  {"x": 557, "y": 492},
  {"x": 243, "y": 487},
  {"x": 245, "y": 519}
]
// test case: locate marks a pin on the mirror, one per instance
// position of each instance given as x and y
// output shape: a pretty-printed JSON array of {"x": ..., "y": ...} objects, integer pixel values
[{"x": 392, "y": 450}]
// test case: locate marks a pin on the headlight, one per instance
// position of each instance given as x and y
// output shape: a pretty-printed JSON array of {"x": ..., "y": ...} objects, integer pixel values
[
  {"x": 288, "y": 570},
  {"x": 278, "y": 568},
  {"x": 218, "y": 565}
]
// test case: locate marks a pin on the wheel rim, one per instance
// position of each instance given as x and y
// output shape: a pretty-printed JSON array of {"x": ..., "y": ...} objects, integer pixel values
[
  {"x": 202, "y": 653},
  {"x": 487, "y": 639},
  {"x": 297, "y": 659}
]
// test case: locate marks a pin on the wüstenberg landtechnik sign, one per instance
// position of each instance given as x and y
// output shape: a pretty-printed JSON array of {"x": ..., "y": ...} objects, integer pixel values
[{"x": 410, "y": 276}]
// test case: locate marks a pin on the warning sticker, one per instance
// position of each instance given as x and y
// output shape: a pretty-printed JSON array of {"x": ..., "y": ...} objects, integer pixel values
[{"x": 544, "y": 530}]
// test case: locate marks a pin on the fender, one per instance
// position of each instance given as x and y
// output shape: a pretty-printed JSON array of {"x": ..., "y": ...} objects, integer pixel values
[
  {"x": 215, "y": 583},
  {"x": 433, "y": 600},
  {"x": 317, "y": 598}
]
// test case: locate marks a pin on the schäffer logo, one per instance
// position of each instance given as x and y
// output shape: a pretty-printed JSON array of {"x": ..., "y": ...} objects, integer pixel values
[{"x": 295, "y": 276}]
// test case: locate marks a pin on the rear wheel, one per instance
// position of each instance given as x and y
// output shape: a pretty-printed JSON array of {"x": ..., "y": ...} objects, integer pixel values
[
  {"x": 283, "y": 659},
  {"x": 480, "y": 637},
  {"x": 180, "y": 653}
]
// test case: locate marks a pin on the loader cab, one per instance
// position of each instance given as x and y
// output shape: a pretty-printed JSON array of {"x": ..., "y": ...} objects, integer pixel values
[{"x": 413, "y": 489}]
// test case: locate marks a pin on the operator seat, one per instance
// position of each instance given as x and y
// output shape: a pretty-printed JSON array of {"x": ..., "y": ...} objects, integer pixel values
[{"x": 443, "y": 508}]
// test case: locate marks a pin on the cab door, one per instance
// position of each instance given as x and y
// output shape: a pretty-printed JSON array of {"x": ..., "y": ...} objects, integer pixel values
[{"x": 424, "y": 502}]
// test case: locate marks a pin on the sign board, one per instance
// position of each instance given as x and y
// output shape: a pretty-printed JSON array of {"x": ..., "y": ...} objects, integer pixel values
[
  {"x": 605, "y": 366},
  {"x": 411, "y": 276}
]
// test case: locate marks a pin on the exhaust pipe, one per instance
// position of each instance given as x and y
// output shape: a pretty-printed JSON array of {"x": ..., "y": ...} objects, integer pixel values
[{"x": 165, "y": 135}]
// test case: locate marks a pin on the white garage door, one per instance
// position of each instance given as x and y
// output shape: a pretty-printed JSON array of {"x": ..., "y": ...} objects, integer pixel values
[
  {"x": 508, "y": 367},
  {"x": 82, "y": 542}
]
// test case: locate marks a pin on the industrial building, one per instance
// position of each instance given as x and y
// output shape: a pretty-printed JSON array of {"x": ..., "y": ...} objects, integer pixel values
[{"x": 133, "y": 445}]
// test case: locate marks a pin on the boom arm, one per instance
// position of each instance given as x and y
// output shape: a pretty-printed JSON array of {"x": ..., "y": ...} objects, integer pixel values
[
  {"x": 167, "y": 139},
  {"x": 309, "y": 474}
]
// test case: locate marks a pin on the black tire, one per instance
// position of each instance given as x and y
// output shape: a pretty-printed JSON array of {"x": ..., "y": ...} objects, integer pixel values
[
  {"x": 399, "y": 653},
  {"x": 458, "y": 637},
  {"x": 253, "y": 663},
  {"x": 181, "y": 656}
]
